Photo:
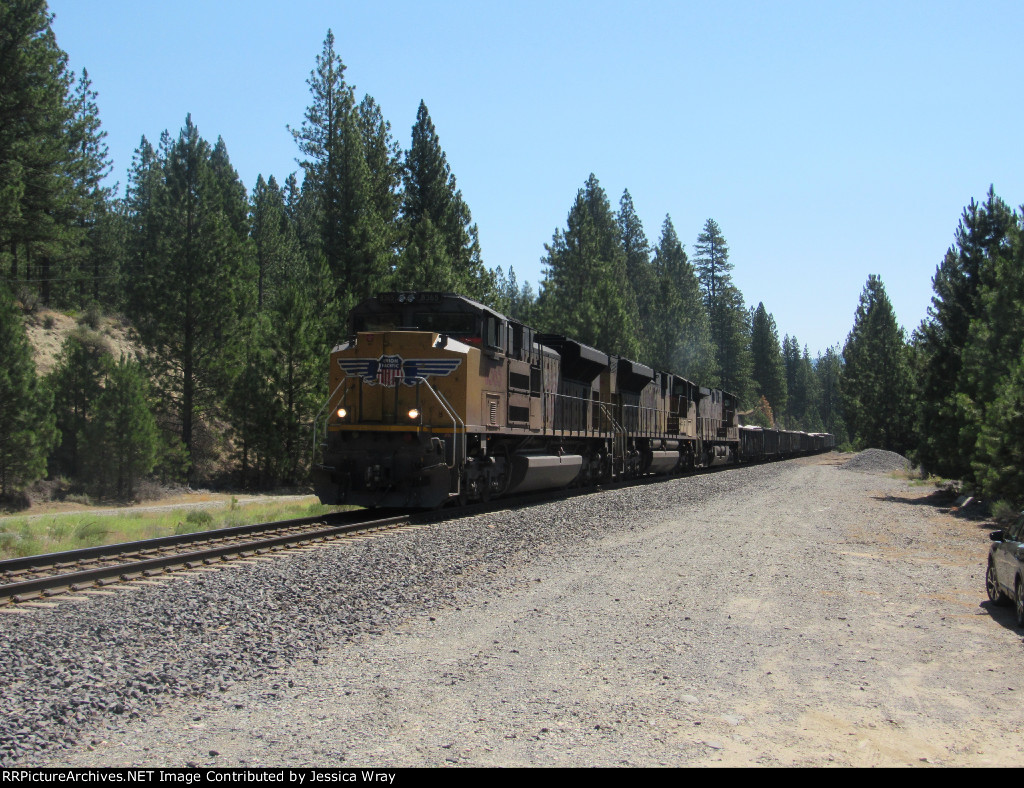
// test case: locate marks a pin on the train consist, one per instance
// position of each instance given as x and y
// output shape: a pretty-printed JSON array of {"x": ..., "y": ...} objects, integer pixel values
[{"x": 437, "y": 398}]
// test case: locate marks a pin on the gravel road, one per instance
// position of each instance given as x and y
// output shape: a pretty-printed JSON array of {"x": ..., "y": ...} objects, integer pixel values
[{"x": 787, "y": 614}]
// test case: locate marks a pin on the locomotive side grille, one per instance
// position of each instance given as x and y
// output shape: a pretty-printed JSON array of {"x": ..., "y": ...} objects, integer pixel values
[
  {"x": 519, "y": 414},
  {"x": 518, "y": 381}
]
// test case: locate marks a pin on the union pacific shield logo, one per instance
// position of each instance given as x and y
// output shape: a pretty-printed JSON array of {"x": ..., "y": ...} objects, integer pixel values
[{"x": 388, "y": 370}]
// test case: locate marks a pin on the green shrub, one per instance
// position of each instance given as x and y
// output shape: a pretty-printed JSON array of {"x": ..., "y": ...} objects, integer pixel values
[
  {"x": 1004, "y": 512},
  {"x": 199, "y": 517},
  {"x": 91, "y": 317}
]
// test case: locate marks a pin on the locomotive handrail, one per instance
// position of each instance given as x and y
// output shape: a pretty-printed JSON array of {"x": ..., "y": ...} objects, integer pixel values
[
  {"x": 648, "y": 419},
  {"x": 456, "y": 421},
  {"x": 618, "y": 432},
  {"x": 316, "y": 419},
  {"x": 576, "y": 417}
]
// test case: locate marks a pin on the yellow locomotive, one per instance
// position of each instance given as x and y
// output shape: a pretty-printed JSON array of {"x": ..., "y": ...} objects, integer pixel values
[{"x": 438, "y": 398}]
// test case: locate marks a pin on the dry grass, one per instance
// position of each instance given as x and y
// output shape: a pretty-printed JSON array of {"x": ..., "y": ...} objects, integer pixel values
[{"x": 52, "y": 533}]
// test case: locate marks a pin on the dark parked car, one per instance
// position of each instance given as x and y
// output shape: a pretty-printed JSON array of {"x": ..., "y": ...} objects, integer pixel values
[{"x": 1004, "y": 579}]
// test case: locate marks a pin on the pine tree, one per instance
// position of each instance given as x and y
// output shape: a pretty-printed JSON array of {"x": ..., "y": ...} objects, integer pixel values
[
  {"x": 278, "y": 384},
  {"x": 352, "y": 176},
  {"x": 320, "y": 142},
  {"x": 828, "y": 370},
  {"x": 76, "y": 383},
  {"x": 506, "y": 290},
  {"x": 253, "y": 406},
  {"x": 142, "y": 229},
  {"x": 191, "y": 272},
  {"x": 679, "y": 339},
  {"x": 796, "y": 398},
  {"x": 370, "y": 237},
  {"x": 296, "y": 357},
  {"x": 988, "y": 393},
  {"x": 88, "y": 259},
  {"x": 876, "y": 386},
  {"x": 442, "y": 249},
  {"x": 586, "y": 294},
  {"x": 768, "y": 368},
  {"x": 122, "y": 435},
  {"x": 27, "y": 427},
  {"x": 277, "y": 257},
  {"x": 713, "y": 267},
  {"x": 639, "y": 272},
  {"x": 948, "y": 419},
  {"x": 810, "y": 395},
  {"x": 998, "y": 462},
  {"x": 384, "y": 170},
  {"x": 36, "y": 192},
  {"x": 311, "y": 273},
  {"x": 727, "y": 314}
]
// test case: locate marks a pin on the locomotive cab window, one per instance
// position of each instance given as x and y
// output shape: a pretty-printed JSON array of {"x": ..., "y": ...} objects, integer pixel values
[
  {"x": 495, "y": 337},
  {"x": 455, "y": 324},
  {"x": 385, "y": 322}
]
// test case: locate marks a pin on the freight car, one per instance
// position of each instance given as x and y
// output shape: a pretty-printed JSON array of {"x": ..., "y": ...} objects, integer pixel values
[{"x": 438, "y": 398}]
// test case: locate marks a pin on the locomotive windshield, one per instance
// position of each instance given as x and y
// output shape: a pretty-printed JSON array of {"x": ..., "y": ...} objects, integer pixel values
[
  {"x": 454, "y": 324},
  {"x": 437, "y": 312},
  {"x": 384, "y": 322},
  {"x": 451, "y": 323}
]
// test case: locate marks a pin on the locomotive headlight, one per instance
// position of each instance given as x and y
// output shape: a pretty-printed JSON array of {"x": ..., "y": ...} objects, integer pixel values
[
  {"x": 342, "y": 413},
  {"x": 414, "y": 414}
]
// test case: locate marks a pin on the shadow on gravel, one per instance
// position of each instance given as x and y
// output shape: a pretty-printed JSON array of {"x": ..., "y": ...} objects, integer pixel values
[
  {"x": 1004, "y": 616},
  {"x": 942, "y": 501},
  {"x": 937, "y": 499}
]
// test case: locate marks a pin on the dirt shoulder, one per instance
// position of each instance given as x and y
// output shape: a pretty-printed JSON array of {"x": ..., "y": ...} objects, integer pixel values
[{"x": 791, "y": 614}]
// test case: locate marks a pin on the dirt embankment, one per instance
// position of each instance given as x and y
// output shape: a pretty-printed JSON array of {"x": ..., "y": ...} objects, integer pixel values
[{"x": 47, "y": 331}]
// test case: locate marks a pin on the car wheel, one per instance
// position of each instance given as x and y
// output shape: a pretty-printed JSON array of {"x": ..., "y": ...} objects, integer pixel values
[
  {"x": 995, "y": 593},
  {"x": 1019, "y": 606}
]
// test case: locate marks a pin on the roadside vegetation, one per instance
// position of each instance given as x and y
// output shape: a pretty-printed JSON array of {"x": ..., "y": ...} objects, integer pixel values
[{"x": 51, "y": 533}]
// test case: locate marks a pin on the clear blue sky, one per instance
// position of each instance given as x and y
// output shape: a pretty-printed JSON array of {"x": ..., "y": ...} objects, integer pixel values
[{"x": 829, "y": 140}]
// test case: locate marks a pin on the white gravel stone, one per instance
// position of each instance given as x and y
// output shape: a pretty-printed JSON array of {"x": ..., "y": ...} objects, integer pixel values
[{"x": 877, "y": 461}]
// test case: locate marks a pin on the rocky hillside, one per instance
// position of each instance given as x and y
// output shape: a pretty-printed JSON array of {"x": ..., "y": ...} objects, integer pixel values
[{"x": 47, "y": 330}]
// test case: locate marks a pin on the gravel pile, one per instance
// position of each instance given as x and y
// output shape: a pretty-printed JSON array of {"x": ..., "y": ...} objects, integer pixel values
[
  {"x": 71, "y": 671},
  {"x": 877, "y": 461}
]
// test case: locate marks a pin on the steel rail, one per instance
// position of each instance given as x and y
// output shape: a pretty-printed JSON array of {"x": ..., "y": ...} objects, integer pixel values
[
  {"x": 77, "y": 580},
  {"x": 12, "y": 565}
]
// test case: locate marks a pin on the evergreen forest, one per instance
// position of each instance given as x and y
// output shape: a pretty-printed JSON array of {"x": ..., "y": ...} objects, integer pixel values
[{"x": 234, "y": 295}]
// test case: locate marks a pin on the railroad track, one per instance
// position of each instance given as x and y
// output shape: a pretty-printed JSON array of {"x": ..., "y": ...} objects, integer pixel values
[{"x": 36, "y": 577}]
